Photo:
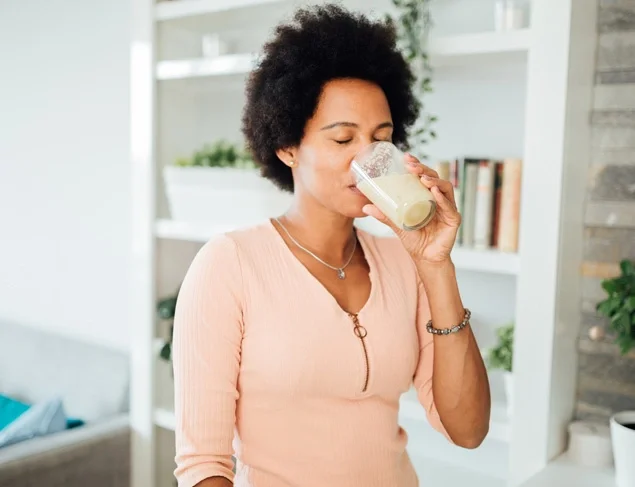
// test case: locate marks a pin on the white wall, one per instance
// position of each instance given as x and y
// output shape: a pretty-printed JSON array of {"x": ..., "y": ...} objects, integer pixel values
[{"x": 64, "y": 171}]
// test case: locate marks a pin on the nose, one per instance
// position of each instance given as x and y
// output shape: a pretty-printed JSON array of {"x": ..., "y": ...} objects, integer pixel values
[{"x": 367, "y": 140}]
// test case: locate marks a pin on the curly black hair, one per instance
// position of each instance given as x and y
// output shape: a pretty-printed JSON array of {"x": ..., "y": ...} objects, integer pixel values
[{"x": 320, "y": 44}]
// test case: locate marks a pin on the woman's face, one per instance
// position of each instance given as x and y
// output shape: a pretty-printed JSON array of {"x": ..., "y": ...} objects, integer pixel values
[{"x": 350, "y": 115}]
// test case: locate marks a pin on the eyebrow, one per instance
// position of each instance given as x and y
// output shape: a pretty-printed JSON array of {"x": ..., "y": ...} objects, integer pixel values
[{"x": 351, "y": 124}]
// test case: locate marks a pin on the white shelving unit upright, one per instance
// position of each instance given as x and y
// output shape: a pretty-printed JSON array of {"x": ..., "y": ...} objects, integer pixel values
[{"x": 523, "y": 93}]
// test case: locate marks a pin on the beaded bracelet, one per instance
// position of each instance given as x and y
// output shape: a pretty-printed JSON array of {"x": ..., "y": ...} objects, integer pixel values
[{"x": 454, "y": 329}]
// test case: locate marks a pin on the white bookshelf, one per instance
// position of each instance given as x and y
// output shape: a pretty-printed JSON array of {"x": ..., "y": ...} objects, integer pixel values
[
  {"x": 171, "y": 10},
  {"x": 480, "y": 43},
  {"x": 442, "y": 50},
  {"x": 523, "y": 93},
  {"x": 194, "y": 68}
]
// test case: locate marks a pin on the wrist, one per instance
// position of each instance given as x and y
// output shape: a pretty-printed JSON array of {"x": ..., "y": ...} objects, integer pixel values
[{"x": 435, "y": 267}]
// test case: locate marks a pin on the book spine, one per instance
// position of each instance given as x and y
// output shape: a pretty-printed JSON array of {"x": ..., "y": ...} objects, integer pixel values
[
  {"x": 469, "y": 203},
  {"x": 510, "y": 206},
  {"x": 496, "y": 215},
  {"x": 455, "y": 170},
  {"x": 483, "y": 205},
  {"x": 443, "y": 169}
]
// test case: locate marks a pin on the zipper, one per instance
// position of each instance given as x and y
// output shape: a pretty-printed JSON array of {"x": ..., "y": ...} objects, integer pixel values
[{"x": 360, "y": 332}]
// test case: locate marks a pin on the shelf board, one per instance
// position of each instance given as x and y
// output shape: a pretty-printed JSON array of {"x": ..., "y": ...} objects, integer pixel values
[
  {"x": 227, "y": 65},
  {"x": 562, "y": 471},
  {"x": 176, "y": 9},
  {"x": 190, "y": 231},
  {"x": 480, "y": 43},
  {"x": 164, "y": 418},
  {"x": 491, "y": 261},
  {"x": 442, "y": 48}
]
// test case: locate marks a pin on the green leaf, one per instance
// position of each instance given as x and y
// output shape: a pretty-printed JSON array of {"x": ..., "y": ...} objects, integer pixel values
[
  {"x": 626, "y": 343},
  {"x": 166, "y": 308},
  {"x": 166, "y": 351},
  {"x": 628, "y": 268},
  {"x": 609, "y": 286},
  {"x": 604, "y": 308}
]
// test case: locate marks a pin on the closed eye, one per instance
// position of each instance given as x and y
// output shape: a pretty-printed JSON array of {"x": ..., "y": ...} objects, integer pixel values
[{"x": 342, "y": 142}]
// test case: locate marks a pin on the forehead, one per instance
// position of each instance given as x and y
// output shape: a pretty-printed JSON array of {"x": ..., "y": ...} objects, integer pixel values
[{"x": 352, "y": 100}]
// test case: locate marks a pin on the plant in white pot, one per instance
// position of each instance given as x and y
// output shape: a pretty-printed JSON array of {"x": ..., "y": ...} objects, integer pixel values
[
  {"x": 220, "y": 184},
  {"x": 619, "y": 307},
  {"x": 500, "y": 357}
]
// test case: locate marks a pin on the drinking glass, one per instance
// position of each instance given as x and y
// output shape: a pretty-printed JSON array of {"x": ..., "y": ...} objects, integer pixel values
[{"x": 381, "y": 175}]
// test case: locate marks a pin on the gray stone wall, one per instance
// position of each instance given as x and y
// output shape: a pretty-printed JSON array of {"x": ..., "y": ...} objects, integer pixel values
[{"x": 606, "y": 380}]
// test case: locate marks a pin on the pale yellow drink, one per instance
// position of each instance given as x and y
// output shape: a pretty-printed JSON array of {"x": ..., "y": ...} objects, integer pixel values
[{"x": 401, "y": 197}]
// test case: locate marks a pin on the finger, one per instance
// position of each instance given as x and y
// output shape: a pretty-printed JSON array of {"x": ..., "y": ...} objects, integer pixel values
[
  {"x": 447, "y": 208},
  {"x": 417, "y": 167},
  {"x": 372, "y": 210},
  {"x": 444, "y": 186}
]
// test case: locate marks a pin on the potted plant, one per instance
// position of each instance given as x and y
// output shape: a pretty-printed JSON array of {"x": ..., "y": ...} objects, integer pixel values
[
  {"x": 219, "y": 183},
  {"x": 501, "y": 357},
  {"x": 619, "y": 308}
]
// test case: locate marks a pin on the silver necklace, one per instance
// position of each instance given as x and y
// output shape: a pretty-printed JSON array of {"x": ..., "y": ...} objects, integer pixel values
[{"x": 340, "y": 270}]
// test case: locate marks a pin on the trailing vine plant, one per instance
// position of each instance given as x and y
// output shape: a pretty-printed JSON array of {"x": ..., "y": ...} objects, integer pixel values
[{"x": 413, "y": 22}]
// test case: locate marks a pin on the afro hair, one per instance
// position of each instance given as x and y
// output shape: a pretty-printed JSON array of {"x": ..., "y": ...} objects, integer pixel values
[{"x": 321, "y": 43}]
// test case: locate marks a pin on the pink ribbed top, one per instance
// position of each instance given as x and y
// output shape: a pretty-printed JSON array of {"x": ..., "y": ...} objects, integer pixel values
[{"x": 267, "y": 365}]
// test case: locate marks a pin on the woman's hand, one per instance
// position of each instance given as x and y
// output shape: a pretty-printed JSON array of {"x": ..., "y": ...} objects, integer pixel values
[{"x": 433, "y": 243}]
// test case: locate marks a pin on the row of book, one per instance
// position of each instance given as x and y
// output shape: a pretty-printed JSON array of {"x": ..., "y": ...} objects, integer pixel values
[{"x": 487, "y": 192}]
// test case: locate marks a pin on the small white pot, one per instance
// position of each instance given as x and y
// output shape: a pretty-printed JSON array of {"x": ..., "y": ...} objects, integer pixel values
[
  {"x": 623, "y": 440},
  {"x": 222, "y": 195},
  {"x": 508, "y": 380}
]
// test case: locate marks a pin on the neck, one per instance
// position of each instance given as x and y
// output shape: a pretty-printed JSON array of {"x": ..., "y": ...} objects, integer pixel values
[{"x": 319, "y": 229}]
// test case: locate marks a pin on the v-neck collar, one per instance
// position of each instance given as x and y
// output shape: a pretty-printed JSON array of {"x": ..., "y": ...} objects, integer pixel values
[{"x": 368, "y": 255}]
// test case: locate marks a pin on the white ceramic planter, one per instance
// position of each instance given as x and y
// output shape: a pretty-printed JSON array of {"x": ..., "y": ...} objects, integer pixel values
[
  {"x": 222, "y": 195},
  {"x": 623, "y": 440},
  {"x": 508, "y": 379}
]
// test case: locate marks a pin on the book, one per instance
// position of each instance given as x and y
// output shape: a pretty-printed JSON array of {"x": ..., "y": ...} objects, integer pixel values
[
  {"x": 483, "y": 204},
  {"x": 443, "y": 169},
  {"x": 487, "y": 194},
  {"x": 510, "y": 205},
  {"x": 496, "y": 207},
  {"x": 468, "y": 204}
]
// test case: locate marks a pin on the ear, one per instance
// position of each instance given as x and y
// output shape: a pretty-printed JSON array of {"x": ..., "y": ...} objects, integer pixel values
[{"x": 287, "y": 155}]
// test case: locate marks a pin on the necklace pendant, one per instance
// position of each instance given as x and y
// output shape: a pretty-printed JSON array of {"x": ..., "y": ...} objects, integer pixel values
[{"x": 341, "y": 274}]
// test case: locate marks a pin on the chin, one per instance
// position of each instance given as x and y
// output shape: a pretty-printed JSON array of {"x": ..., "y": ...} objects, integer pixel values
[{"x": 352, "y": 208}]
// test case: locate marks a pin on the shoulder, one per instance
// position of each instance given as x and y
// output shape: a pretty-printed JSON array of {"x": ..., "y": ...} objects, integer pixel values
[
  {"x": 230, "y": 250},
  {"x": 229, "y": 245}
]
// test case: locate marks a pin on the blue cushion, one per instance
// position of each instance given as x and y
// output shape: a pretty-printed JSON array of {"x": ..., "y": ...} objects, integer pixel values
[
  {"x": 10, "y": 410},
  {"x": 41, "y": 419}
]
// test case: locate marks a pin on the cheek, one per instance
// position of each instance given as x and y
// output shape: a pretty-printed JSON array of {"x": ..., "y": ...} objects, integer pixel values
[{"x": 324, "y": 165}]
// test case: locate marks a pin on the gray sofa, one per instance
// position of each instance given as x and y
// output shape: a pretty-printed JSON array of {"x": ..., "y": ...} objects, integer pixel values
[{"x": 93, "y": 384}]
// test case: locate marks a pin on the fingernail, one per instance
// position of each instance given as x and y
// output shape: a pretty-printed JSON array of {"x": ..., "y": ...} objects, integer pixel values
[{"x": 426, "y": 177}]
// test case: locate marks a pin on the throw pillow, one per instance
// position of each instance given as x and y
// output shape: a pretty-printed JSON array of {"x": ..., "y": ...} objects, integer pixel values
[
  {"x": 41, "y": 419},
  {"x": 10, "y": 410}
]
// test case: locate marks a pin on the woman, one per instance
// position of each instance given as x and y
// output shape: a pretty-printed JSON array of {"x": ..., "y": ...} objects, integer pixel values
[{"x": 294, "y": 339}]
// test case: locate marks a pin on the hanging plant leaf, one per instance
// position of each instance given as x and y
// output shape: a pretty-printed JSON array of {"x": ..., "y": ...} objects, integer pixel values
[{"x": 619, "y": 306}]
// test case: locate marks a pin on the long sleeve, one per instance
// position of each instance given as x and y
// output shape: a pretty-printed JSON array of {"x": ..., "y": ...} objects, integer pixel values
[
  {"x": 208, "y": 329},
  {"x": 425, "y": 367}
]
